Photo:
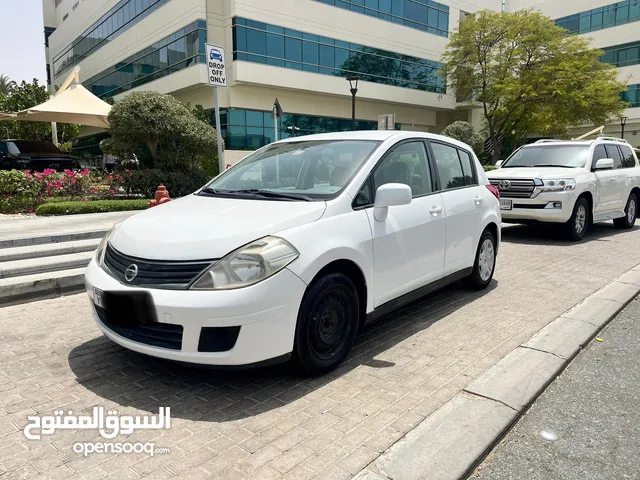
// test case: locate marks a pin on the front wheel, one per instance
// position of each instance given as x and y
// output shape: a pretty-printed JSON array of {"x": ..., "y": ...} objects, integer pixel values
[
  {"x": 577, "y": 225},
  {"x": 327, "y": 324},
  {"x": 630, "y": 213},
  {"x": 485, "y": 263}
]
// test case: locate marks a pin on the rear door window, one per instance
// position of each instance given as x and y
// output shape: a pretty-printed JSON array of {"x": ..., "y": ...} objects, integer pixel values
[
  {"x": 467, "y": 168},
  {"x": 628, "y": 160},
  {"x": 613, "y": 152}
]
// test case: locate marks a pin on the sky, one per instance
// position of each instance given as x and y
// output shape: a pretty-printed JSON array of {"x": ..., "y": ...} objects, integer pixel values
[{"x": 22, "y": 40}]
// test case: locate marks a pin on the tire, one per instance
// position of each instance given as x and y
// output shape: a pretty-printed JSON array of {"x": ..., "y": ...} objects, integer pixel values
[
  {"x": 630, "y": 214},
  {"x": 485, "y": 263},
  {"x": 577, "y": 226},
  {"x": 327, "y": 324}
]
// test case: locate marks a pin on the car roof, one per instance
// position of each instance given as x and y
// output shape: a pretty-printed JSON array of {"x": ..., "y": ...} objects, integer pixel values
[{"x": 375, "y": 135}]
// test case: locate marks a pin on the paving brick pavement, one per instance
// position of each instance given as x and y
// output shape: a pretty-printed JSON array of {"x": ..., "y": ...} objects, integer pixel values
[{"x": 268, "y": 424}]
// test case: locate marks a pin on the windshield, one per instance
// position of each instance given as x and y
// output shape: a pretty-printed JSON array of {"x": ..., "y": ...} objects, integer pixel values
[
  {"x": 32, "y": 146},
  {"x": 317, "y": 170},
  {"x": 569, "y": 156}
]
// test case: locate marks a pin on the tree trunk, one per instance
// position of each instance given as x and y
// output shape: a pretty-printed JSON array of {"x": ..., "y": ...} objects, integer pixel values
[{"x": 497, "y": 148}]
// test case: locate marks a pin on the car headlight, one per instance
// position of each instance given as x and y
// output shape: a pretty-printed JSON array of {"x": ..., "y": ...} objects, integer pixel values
[
  {"x": 557, "y": 184},
  {"x": 248, "y": 265},
  {"x": 103, "y": 245}
]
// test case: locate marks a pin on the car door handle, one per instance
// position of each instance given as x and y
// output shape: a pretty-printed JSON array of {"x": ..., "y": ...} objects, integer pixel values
[
  {"x": 435, "y": 210},
  {"x": 478, "y": 200},
  {"x": 613, "y": 180}
]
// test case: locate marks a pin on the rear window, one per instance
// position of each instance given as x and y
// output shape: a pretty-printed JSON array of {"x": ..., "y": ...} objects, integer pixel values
[
  {"x": 33, "y": 146},
  {"x": 628, "y": 160},
  {"x": 568, "y": 156}
]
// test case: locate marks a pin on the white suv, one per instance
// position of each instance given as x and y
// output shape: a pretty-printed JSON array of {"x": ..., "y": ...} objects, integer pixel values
[
  {"x": 570, "y": 182},
  {"x": 294, "y": 248}
]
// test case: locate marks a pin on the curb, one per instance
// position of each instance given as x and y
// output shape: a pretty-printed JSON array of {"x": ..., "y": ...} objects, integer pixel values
[
  {"x": 480, "y": 415},
  {"x": 55, "y": 238}
]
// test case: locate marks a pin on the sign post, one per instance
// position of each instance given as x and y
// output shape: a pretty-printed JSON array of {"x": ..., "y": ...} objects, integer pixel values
[{"x": 217, "y": 73}]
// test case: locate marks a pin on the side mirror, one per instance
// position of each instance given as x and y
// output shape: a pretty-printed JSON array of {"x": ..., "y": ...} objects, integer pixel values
[
  {"x": 499, "y": 163},
  {"x": 390, "y": 195},
  {"x": 604, "y": 164}
]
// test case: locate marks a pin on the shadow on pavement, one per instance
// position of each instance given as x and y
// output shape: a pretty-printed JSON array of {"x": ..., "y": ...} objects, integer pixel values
[
  {"x": 553, "y": 235},
  {"x": 199, "y": 393}
]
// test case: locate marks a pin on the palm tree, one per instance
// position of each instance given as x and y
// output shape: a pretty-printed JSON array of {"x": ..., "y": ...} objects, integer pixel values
[{"x": 6, "y": 84}]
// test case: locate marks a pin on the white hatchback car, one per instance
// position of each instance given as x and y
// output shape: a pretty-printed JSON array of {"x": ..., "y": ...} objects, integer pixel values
[{"x": 292, "y": 250}]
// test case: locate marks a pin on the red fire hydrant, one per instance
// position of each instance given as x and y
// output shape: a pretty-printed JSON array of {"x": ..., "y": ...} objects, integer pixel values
[{"x": 162, "y": 196}]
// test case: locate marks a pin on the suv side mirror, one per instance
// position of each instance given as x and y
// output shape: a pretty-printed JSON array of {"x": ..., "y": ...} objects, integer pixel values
[
  {"x": 499, "y": 163},
  {"x": 389, "y": 195},
  {"x": 604, "y": 164}
]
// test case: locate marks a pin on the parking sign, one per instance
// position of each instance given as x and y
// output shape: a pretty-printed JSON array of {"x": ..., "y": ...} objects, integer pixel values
[{"x": 216, "y": 66}]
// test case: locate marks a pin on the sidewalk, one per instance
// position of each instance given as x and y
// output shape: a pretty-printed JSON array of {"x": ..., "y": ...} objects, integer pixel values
[
  {"x": 593, "y": 408},
  {"x": 11, "y": 229}
]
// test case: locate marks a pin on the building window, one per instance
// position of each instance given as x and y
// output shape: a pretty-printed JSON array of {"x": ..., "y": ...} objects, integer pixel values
[
  {"x": 76, "y": 5},
  {"x": 608, "y": 16},
  {"x": 181, "y": 50},
  {"x": 124, "y": 15},
  {"x": 632, "y": 95},
  {"x": 47, "y": 33},
  {"x": 282, "y": 47},
  {"x": 622, "y": 55},
  {"x": 66, "y": 15},
  {"x": 253, "y": 129},
  {"x": 425, "y": 15}
]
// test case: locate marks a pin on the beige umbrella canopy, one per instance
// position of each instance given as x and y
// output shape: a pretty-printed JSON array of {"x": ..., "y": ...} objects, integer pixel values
[{"x": 72, "y": 104}]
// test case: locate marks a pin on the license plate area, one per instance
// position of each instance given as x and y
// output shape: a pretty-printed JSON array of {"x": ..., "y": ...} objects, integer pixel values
[
  {"x": 126, "y": 310},
  {"x": 506, "y": 204}
]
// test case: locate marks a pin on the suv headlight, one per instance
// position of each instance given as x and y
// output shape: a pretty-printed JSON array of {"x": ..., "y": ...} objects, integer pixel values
[
  {"x": 557, "y": 184},
  {"x": 248, "y": 265},
  {"x": 103, "y": 244}
]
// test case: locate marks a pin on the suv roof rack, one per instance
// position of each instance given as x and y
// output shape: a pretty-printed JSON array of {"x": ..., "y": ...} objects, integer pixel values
[
  {"x": 611, "y": 139},
  {"x": 549, "y": 140}
]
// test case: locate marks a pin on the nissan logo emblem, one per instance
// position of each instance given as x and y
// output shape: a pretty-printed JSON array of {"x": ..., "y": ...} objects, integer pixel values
[
  {"x": 131, "y": 272},
  {"x": 504, "y": 184}
]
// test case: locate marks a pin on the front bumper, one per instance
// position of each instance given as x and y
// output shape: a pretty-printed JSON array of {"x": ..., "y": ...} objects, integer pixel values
[
  {"x": 538, "y": 208},
  {"x": 266, "y": 314}
]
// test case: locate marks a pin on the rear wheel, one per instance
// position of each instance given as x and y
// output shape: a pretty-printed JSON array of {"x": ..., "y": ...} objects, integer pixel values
[
  {"x": 485, "y": 263},
  {"x": 327, "y": 324},
  {"x": 630, "y": 214},
  {"x": 577, "y": 225}
]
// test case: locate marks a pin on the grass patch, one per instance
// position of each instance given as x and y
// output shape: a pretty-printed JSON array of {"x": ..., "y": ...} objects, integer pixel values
[{"x": 98, "y": 206}]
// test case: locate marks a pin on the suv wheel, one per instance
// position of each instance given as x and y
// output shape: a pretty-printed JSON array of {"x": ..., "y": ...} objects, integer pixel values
[
  {"x": 327, "y": 324},
  {"x": 577, "y": 225},
  {"x": 630, "y": 214},
  {"x": 485, "y": 263}
]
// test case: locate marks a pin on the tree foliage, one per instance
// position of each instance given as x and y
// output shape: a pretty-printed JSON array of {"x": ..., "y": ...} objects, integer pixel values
[
  {"x": 27, "y": 95},
  {"x": 6, "y": 85},
  {"x": 465, "y": 132},
  {"x": 529, "y": 75},
  {"x": 161, "y": 132}
]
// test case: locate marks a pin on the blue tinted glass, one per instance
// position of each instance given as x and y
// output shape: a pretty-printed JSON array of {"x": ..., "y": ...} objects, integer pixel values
[
  {"x": 255, "y": 119},
  {"x": 293, "y": 49},
  {"x": 256, "y": 41},
  {"x": 275, "y": 45}
]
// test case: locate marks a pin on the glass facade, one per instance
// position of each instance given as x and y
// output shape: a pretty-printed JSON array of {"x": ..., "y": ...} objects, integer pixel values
[
  {"x": 184, "y": 48},
  {"x": 282, "y": 47},
  {"x": 425, "y": 15},
  {"x": 632, "y": 95},
  {"x": 622, "y": 55},
  {"x": 608, "y": 16},
  {"x": 124, "y": 15},
  {"x": 253, "y": 129}
]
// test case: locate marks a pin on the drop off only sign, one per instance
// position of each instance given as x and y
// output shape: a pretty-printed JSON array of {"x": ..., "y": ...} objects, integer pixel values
[{"x": 216, "y": 66}]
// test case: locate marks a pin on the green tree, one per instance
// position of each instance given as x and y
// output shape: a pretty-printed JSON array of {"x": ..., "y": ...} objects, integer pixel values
[
  {"x": 6, "y": 85},
  {"x": 465, "y": 132},
  {"x": 27, "y": 95},
  {"x": 529, "y": 75},
  {"x": 161, "y": 132}
]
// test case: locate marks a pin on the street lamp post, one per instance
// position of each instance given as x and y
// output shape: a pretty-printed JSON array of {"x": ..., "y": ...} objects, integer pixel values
[
  {"x": 353, "y": 83},
  {"x": 623, "y": 122}
]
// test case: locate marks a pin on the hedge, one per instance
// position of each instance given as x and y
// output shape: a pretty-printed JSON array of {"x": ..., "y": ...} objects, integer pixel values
[
  {"x": 98, "y": 206},
  {"x": 488, "y": 168}
]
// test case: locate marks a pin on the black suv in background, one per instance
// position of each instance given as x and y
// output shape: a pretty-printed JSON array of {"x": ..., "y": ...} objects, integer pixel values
[{"x": 34, "y": 155}]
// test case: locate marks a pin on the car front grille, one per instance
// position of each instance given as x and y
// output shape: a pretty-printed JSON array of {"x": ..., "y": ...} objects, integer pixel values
[
  {"x": 156, "y": 334},
  {"x": 153, "y": 273},
  {"x": 514, "y": 188}
]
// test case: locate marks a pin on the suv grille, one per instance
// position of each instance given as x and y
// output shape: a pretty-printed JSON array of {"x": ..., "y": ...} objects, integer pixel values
[
  {"x": 162, "y": 335},
  {"x": 514, "y": 188},
  {"x": 154, "y": 273}
]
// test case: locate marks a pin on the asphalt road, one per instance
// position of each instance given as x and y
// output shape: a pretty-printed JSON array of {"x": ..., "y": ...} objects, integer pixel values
[{"x": 593, "y": 407}]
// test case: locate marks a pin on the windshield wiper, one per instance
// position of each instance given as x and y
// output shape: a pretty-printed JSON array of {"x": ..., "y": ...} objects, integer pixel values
[
  {"x": 551, "y": 165},
  {"x": 256, "y": 192}
]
